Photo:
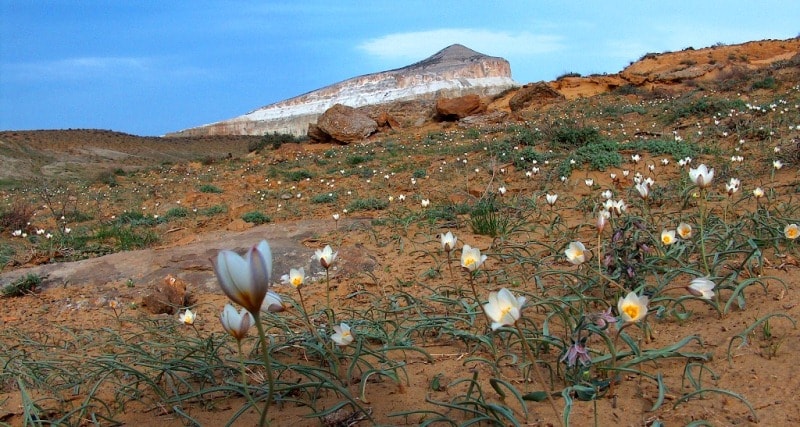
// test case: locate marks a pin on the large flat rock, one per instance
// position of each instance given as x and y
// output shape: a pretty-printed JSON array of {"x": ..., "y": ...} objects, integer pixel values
[{"x": 293, "y": 245}]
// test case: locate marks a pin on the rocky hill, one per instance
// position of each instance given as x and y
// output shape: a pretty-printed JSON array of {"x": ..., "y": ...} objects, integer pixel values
[
  {"x": 453, "y": 71},
  {"x": 732, "y": 69}
]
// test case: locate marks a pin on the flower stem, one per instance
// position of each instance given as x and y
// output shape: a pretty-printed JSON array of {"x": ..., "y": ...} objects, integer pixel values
[
  {"x": 613, "y": 349},
  {"x": 477, "y": 300},
  {"x": 599, "y": 254},
  {"x": 305, "y": 315},
  {"x": 537, "y": 372},
  {"x": 333, "y": 358},
  {"x": 703, "y": 213},
  {"x": 267, "y": 365},
  {"x": 450, "y": 266},
  {"x": 328, "y": 288},
  {"x": 244, "y": 376}
]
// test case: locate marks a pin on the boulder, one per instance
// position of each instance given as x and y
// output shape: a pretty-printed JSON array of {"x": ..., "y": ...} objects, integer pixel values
[
  {"x": 450, "y": 109},
  {"x": 315, "y": 134},
  {"x": 168, "y": 296},
  {"x": 344, "y": 124},
  {"x": 496, "y": 117},
  {"x": 386, "y": 121},
  {"x": 533, "y": 93}
]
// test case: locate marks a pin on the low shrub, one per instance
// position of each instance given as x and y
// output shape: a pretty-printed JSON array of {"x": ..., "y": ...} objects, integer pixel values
[
  {"x": 208, "y": 188},
  {"x": 256, "y": 217}
]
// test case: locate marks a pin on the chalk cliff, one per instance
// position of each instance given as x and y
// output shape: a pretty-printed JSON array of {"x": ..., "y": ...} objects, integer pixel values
[{"x": 453, "y": 71}]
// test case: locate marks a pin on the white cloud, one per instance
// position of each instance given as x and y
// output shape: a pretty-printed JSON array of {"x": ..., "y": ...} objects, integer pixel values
[
  {"x": 79, "y": 68},
  {"x": 98, "y": 67},
  {"x": 414, "y": 46}
]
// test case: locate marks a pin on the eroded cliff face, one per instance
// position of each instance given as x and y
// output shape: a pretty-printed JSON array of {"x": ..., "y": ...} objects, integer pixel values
[{"x": 453, "y": 71}]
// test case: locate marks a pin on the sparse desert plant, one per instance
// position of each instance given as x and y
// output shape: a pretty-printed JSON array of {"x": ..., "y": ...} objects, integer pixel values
[
  {"x": 568, "y": 74},
  {"x": 298, "y": 175},
  {"x": 213, "y": 210},
  {"x": 690, "y": 106},
  {"x": 256, "y": 217},
  {"x": 367, "y": 204},
  {"x": 176, "y": 212},
  {"x": 21, "y": 286},
  {"x": 17, "y": 216},
  {"x": 768, "y": 82},
  {"x": 135, "y": 219},
  {"x": 357, "y": 159},
  {"x": 600, "y": 155},
  {"x": 325, "y": 198},
  {"x": 570, "y": 135},
  {"x": 208, "y": 188},
  {"x": 125, "y": 237},
  {"x": 274, "y": 141},
  {"x": 487, "y": 217},
  {"x": 107, "y": 177}
]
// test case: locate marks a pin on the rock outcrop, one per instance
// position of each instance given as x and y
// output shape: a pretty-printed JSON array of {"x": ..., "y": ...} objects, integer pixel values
[
  {"x": 533, "y": 93},
  {"x": 449, "y": 109},
  {"x": 452, "y": 72},
  {"x": 342, "y": 124}
]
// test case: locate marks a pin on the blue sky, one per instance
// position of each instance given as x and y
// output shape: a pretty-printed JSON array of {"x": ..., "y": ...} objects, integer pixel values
[{"x": 151, "y": 67}]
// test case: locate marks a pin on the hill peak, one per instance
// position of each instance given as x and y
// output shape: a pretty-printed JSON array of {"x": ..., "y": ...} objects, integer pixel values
[
  {"x": 453, "y": 71},
  {"x": 455, "y": 54}
]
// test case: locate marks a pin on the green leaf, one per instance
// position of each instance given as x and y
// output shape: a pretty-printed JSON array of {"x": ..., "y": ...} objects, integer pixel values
[{"x": 535, "y": 396}]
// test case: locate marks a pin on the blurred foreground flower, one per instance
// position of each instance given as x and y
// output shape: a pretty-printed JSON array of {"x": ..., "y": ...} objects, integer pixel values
[
  {"x": 602, "y": 220},
  {"x": 272, "y": 303},
  {"x": 503, "y": 308},
  {"x": 326, "y": 256},
  {"x": 643, "y": 189},
  {"x": 668, "y": 237},
  {"x": 236, "y": 323},
  {"x": 577, "y": 352},
  {"x": 684, "y": 230},
  {"x": 701, "y": 176},
  {"x": 187, "y": 317},
  {"x": 617, "y": 207},
  {"x": 702, "y": 287},
  {"x": 471, "y": 258},
  {"x": 296, "y": 277},
  {"x": 603, "y": 319},
  {"x": 791, "y": 231},
  {"x": 732, "y": 186},
  {"x": 632, "y": 308},
  {"x": 342, "y": 336},
  {"x": 245, "y": 280},
  {"x": 576, "y": 253},
  {"x": 448, "y": 241}
]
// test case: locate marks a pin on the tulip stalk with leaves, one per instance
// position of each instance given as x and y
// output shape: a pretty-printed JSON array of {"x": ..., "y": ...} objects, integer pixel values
[
  {"x": 448, "y": 245},
  {"x": 296, "y": 278},
  {"x": 504, "y": 309},
  {"x": 702, "y": 177},
  {"x": 237, "y": 324},
  {"x": 632, "y": 309},
  {"x": 326, "y": 257},
  {"x": 245, "y": 281},
  {"x": 471, "y": 261}
]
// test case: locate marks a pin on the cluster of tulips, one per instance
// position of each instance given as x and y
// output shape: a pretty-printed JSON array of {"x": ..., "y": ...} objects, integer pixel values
[{"x": 246, "y": 281}]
